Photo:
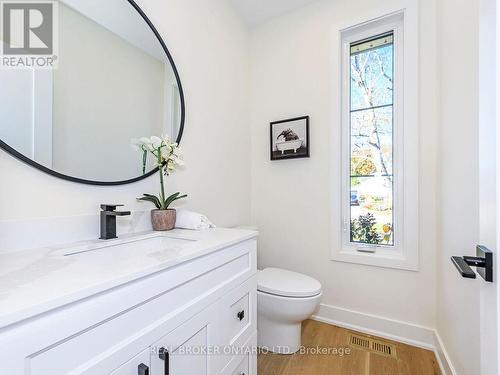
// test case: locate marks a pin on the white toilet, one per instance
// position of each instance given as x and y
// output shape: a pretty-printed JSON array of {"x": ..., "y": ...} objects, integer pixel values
[{"x": 284, "y": 300}]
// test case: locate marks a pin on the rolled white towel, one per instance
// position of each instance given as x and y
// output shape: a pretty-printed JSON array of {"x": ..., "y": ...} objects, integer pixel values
[{"x": 192, "y": 220}]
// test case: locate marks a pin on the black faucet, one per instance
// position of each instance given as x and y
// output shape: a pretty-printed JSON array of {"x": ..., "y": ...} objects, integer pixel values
[{"x": 108, "y": 220}]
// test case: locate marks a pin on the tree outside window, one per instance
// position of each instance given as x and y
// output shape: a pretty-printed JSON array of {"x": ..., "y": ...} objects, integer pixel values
[{"x": 371, "y": 140}]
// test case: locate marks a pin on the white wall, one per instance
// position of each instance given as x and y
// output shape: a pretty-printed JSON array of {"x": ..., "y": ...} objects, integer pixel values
[
  {"x": 209, "y": 45},
  {"x": 291, "y": 70}
]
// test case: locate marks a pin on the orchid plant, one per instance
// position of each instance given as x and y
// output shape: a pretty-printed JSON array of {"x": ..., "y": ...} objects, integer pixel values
[{"x": 167, "y": 156}]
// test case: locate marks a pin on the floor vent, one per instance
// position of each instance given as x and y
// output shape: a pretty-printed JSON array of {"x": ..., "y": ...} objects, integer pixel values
[
  {"x": 360, "y": 342},
  {"x": 374, "y": 346}
]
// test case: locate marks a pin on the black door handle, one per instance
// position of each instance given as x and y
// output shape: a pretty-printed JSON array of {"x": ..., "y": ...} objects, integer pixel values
[
  {"x": 483, "y": 261},
  {"x": 241, "y": 315},
  {"x": 165, "y": 357},
  {"x": 463, "y": 267}
]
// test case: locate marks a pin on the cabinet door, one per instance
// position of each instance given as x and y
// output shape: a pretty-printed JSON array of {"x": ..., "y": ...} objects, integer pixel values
[
  {"x": 139, "y": 365},
  {"x": 184, "y": 350}
]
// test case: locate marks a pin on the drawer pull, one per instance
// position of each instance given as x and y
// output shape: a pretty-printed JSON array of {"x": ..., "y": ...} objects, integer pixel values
[
  {"x": 143, "y": 369},
  {"x": 165, "y": 357},
  {"x": 241, "y": 316}
]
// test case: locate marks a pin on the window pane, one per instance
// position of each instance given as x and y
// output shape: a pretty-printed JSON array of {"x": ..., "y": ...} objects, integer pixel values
[
  {"x": 371, "y": 142},
  {"x": 371, "y": 145},
  {"x": 372, "y": 77},
  {"x": 372, "y": 210}
]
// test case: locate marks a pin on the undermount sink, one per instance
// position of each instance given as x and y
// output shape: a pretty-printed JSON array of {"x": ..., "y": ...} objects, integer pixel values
[{"x": 122, "y": 246}]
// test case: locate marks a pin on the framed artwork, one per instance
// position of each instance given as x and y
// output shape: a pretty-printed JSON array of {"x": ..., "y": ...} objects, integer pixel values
[{"x": 290, "y": 138}]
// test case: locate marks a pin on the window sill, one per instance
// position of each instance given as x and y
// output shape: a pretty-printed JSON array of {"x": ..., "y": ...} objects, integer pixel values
[{"x": 376, "y": 259}]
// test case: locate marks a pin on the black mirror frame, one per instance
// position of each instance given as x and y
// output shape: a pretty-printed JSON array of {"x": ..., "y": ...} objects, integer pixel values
[{"x": 42, "y": 168}]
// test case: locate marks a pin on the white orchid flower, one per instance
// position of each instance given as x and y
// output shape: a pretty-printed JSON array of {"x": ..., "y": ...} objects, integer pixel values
[
  {"x": 177, "y": 151},
  {"x": 147, "y": 143},
  {"x": 171, "y": 165},
  {"x": 167, "y": 149},
  {"x": 156, "y": 141},
  {"x": 136, "y": 144},
  {"x": 168, "y": 154}
]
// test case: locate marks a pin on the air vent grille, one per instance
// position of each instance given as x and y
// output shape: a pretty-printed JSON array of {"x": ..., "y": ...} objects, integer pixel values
[
  {"x": 372, "y": 345},
  {"x": 361, "y": 342}
]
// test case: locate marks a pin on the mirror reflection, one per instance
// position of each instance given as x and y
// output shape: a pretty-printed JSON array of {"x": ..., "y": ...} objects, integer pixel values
[{"x": 113, "y": 82}]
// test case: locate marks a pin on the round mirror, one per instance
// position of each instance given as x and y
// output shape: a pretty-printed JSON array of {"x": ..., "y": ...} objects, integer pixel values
[{"x": 113, "y": 80}]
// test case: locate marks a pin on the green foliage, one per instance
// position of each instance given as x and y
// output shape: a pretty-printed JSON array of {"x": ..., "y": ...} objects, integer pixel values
[
  {"x": 363, "y": 229},
  {"x": 355, "y": 181},
  {"x": 144, "y": 160},
  {"x": 159, "y": 203}
]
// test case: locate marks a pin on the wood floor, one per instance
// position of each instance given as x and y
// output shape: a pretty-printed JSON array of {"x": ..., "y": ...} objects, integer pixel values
[{"x": 410, "y": 360}]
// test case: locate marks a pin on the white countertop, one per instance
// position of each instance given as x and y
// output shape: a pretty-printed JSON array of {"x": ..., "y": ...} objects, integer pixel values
[{"x": 38, "y": 280}]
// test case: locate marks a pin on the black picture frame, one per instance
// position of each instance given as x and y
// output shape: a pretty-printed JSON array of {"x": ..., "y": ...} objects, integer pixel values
[
  {"x": 4, "y": 146},
  {"x": 300, "y": 126}
]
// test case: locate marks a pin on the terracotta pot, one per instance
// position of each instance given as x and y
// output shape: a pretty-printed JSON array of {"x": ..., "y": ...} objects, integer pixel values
[{"x": 163, "y": 219}]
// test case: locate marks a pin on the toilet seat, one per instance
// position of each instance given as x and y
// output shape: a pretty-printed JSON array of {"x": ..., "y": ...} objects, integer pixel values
[{"x": 285, "y": 283}]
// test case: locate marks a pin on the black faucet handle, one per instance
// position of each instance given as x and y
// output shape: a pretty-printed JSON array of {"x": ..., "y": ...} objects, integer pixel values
[{"x": 110, "y": 207}]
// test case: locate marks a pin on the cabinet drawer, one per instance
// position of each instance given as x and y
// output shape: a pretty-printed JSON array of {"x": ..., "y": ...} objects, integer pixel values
[
  {"x": 239, "y": 313},
  {"x": 236, "y": 323}
]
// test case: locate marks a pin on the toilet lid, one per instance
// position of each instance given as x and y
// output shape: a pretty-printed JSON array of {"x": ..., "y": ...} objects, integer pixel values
[{"x": 287, "y": 283}]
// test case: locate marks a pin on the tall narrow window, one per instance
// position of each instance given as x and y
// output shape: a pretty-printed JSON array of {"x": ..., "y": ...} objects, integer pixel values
[
  {"x": 371, "y": 140},
  {"x": 376, "y": 207}
]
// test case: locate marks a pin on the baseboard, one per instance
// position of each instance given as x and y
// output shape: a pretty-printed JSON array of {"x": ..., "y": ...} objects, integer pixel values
[
  {"x": 442, "y": 356},
  {"x": 404, "y": 332}
]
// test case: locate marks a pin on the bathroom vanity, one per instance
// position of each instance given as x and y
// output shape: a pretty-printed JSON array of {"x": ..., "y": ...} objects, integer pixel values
[{"x": 175, "y": 303}]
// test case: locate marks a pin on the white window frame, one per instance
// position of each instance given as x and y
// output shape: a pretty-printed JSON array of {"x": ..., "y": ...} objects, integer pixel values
[{"x": 404, "y": 253}]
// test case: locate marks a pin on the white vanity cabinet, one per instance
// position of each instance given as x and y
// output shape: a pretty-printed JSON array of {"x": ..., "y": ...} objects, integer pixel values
[{"x": 194, "y": 318}]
